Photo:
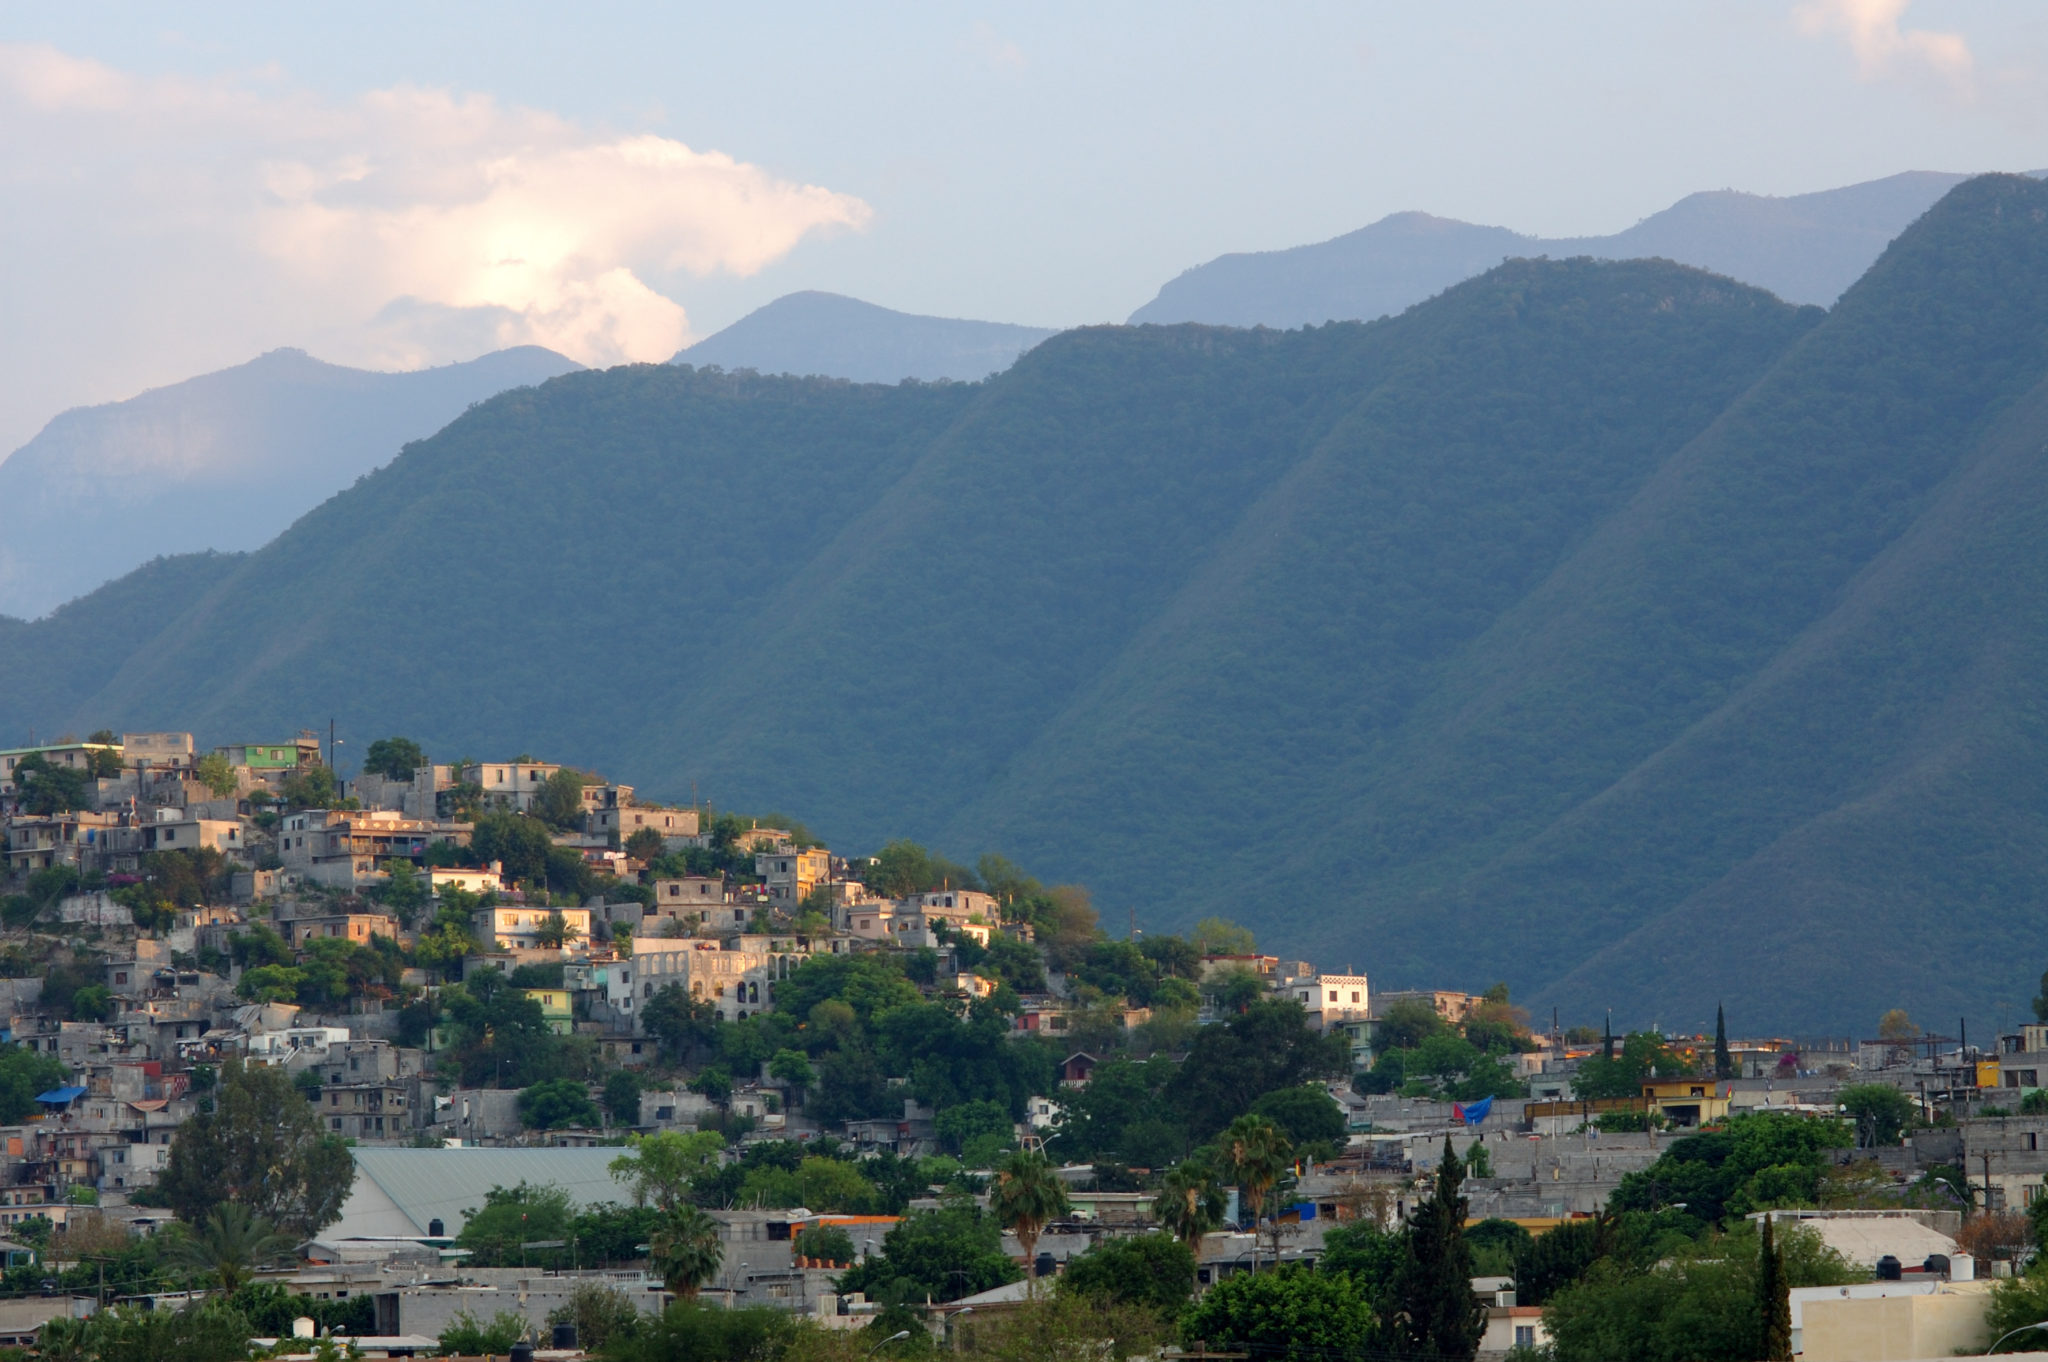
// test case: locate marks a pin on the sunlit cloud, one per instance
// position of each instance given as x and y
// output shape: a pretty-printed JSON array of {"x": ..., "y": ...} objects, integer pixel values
[
  {"x": 405, "y": 226},
  {"x": 1884, "y": 48}
]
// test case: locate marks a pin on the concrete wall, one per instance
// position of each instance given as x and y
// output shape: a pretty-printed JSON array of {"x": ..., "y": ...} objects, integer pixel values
[{"x": 1895, "y": 1328}]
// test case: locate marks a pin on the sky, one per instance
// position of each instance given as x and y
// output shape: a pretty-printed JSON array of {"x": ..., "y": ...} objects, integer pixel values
[{"x": 393, "y": 186}]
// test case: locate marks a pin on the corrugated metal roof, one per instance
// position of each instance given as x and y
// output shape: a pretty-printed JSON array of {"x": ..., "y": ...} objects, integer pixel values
[{"x": 446, "y": 1184}]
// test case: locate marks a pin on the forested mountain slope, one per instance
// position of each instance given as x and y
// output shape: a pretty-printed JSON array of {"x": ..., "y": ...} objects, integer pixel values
[
  {"x": 224, "y": 461},
  {"x": 1613, "y": 629}
]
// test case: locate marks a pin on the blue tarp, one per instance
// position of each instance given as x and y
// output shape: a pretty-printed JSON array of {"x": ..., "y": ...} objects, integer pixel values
[{"x": 61, "y": 1095}]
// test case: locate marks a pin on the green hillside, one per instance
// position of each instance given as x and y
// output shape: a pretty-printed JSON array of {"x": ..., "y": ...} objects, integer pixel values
[{"x": 1613, "y": 629}]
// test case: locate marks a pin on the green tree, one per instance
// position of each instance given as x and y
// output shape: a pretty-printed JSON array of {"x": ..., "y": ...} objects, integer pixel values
[
  {"x": 1880, "y": 1112},
  {"x": 1724, "y": 1065},
  {"x": 468, "y": 1336},
  {"x": 24, "y": 1073},
  {"x": 607, "y": 1233},
  {"x": 947, "y": 1253},
  {"x": 1680, "y": 1301},
  {"x": 558, "y": 1103},
  {"x": 899, "y": 870},
  {"x": 229, "y": 1246},
  {"x": 1554, "y": 1260},
  {"x": 46, "y": 787},
  {"x": 260, "y": 1145},
  {"x": 1773, "y": 1299},
  {"x": 692, "y": 1332},
  {"x": 1289, "y": 1314},
  {"x": 622, "y": 1097},
  {"x": 555, "y": 932},
  {"x": 2018, "y": 1302},
  {"x": 514, "y": 1216},
  {"x": 958, "y": 1126},
  {"x": 518, "y": 843},
  {"x": 601, "y": 1315},
  {"x": 1155, "y": 1270},
  {"x": 393, "y": 758},
  {"x": 1025, "y": 1195},
  {"x": 1269, "y": 1045},
  {"x": 404, "y": 891},
  {"x": 1306, "y": 1114},
  {"x": 684, "y": 1025},
  {"x": 310, "y": 787},
  {"x": 1644, "y": 1056},
  {"x": 826, "y": 1243},
  {"x": 1758, "y": 1160},
  {"x": 1191, "y": 1201},
  {"x": 645, "y": 845},
  {"x": 686, "y": 1250},
  {"x": 213, "y": 771},
  {"x": 794, "y": 1068},
  {"x": 1439, "y": 1315},
  {"x": 1221, "y": 936},
  {"x": 1254, "y": 1154},
  {"x": 559, "y": 803},
  {"x": 659, "y": 1168},
  {"x": 1372, "y": 1257},
  {"x": 211, "y": 1331}
]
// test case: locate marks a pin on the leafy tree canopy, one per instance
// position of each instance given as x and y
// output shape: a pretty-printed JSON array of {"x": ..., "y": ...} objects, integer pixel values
[
  {"x": 262, "y": 1146},
  {"x": 394, "y": 758}
]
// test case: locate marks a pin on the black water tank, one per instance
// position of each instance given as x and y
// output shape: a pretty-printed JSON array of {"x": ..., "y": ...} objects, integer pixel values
[
  {"x": 1044, "y": 1266},
  {"x": 435, "y": 1230},
  {"x": 1937, "y": 1263},
  {"x": 1888, "y": 1269},
  {"x": 522, "y": 1351},
  {"x": 565, "y": 1337}
]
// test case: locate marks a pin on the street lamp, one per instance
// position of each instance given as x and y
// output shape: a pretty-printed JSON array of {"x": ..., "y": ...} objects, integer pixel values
[
  {"x": 2041, "y": 1325},
  {"x": 899, "y": 1334}
]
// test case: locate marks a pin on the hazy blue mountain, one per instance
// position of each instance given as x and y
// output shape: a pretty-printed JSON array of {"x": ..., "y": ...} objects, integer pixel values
[
  {"x": 838, "y": 337},
  {"x": 1612, "y": 629},
  {"x": 224, "y": 461},
  {"x": 1806, "y": 249}
]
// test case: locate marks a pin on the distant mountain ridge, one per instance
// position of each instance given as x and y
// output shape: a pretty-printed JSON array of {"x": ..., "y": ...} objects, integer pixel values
[
  {"x": 839, "y": 337},
  {"x": 1806, "y": 248},
  {"x": 223, "y": 461},
  {"x": 1612, "y": 629}
]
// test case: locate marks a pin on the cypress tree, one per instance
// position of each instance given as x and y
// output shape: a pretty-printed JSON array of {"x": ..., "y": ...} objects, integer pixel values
[
  {"x": 1724, "y": 1067},
  {"x": 1441, "y": 1317},
  {"x": 1610, "y": 1034},
  {"x": 1773, "y": 1300}
]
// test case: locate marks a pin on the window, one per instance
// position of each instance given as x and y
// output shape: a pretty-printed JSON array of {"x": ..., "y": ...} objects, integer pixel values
[
  {"x": 1525, "y": 1335},
  {"x": 1354, "y": 995}
]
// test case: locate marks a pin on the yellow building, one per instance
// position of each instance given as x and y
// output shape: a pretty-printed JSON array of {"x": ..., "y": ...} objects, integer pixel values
[
  {"x": 554, "y": 1008},
  {"x": 1687, "y": 1101}
]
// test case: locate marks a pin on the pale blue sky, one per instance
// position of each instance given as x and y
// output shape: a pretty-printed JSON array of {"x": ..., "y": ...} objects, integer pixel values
[{"x": 1050, "y": 164}]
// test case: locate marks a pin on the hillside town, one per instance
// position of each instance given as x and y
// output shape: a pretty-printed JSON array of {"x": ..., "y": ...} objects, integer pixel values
[{"x": 539, "y": 1013}]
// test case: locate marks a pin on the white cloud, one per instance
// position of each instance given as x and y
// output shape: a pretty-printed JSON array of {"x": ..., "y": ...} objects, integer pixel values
[
  {"x": 394, "y": 225},
  {"x": 1884, "y": 48}
]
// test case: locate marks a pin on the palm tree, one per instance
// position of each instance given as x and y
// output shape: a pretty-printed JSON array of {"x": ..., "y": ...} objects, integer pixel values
[
  {"x": 686, "y": 1250},
  {"x": 1190, "y": 1203},
  {"x": 1255, "y": 1153},
  {"x": 231, "y": 1244},
  {"x": 1025, "y": 1196}
]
